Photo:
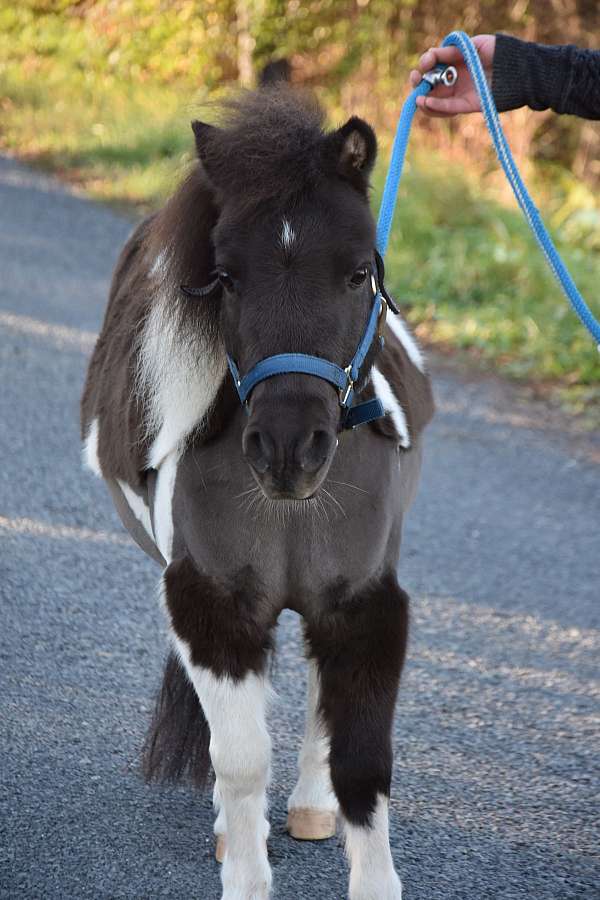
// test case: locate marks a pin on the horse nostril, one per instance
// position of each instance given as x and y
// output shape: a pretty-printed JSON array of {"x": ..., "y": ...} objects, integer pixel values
[
  {"x": 258, "y": 449},
  {"x": 312, "y": 452}
]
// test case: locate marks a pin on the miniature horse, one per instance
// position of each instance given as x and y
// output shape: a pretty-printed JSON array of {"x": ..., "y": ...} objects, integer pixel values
[{"x": 267, "y": 248}]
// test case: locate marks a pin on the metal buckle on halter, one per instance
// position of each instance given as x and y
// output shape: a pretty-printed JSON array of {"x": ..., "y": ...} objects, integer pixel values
[
  {"x": 381, "y": 319},
  {"x": 442, "y": 74},
  {"x": 345, "y": 391}
]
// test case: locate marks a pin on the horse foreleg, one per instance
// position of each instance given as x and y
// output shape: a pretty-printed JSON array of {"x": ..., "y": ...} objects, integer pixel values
[
  {"x": 240, "y": 750},
  {"x": 223, "y": 645},
  {"x": 372, "y": 873},
  {"x": 359, "y": 643},
  {"x": 312, "y": 807}
]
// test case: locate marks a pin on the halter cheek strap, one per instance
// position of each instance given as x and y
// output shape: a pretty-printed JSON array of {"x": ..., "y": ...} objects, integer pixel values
[{"x": 342, "y": 379}]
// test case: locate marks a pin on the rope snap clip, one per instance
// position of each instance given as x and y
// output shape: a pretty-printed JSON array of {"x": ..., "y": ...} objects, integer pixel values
[{"x": 446, "y": 75}]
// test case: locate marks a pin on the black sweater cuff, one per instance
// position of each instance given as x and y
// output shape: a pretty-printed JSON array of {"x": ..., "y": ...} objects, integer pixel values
[{"x": 534, "y": 75}]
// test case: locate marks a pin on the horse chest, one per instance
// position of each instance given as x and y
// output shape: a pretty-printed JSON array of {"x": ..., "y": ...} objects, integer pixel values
[{"x": 296, "y": 548}]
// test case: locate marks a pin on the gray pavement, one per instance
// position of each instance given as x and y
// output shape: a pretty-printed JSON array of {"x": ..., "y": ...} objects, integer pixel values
[{"x": 495, "y": 790}]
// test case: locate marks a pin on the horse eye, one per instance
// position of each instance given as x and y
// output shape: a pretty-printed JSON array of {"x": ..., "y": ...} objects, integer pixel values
[
  {"x": 359, "y": 277},
  {"x": 226, "y": 281}
]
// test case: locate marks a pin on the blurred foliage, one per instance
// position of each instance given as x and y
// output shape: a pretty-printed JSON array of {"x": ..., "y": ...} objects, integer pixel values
[
  {"x": 103, "y": 92},
  {"x": 355, "y": 51}
]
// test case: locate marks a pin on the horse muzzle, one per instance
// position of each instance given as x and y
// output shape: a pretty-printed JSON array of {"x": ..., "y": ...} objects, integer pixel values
[{"x": 289, "y": 452}]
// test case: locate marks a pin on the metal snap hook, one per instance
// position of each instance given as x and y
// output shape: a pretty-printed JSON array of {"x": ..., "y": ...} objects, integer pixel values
[{"x": 442, "y": 74}]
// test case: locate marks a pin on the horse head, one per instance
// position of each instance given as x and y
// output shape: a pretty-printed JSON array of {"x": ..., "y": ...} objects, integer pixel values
[{"x": 293, "y": 250}]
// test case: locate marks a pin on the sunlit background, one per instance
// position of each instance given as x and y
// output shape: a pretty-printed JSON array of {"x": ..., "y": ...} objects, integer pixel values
[{"x": 102, "y": 93}]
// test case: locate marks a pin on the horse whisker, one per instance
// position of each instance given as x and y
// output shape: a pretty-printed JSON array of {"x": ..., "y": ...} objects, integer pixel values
[
  {"x": 334, "y": 500},
  {"x": 252, "y": 490},
  {"x": 347, "y": 484}
]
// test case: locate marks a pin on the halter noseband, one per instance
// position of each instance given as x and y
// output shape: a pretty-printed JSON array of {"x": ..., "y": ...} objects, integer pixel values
[{"x": 302, "y": 363}]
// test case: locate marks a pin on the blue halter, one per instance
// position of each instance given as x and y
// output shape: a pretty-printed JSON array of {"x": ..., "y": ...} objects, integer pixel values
[{"x": 343, "y": 379}]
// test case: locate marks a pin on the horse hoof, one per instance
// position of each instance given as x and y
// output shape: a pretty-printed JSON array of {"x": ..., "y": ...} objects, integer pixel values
[
  {"x": 306, "y": 824},
  {"x": 220, "y": 848}
]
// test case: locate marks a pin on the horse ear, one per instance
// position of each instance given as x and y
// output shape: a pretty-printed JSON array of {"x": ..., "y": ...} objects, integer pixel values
[
  {"x": 205, "y": 135},
  {"x": 352, "y": 149}
]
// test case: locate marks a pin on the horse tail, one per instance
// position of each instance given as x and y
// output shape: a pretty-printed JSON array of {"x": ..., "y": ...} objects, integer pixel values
[
  {"x": 275, "y": 72},
  {"x": 176, "y": 746}
]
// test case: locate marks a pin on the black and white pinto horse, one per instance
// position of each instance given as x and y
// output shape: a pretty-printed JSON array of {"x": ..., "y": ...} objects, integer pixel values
[{"x": 253, "y": 509}]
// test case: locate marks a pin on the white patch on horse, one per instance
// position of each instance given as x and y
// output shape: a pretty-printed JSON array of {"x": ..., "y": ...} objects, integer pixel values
[
  {"x": 372, "y": 873},
  {"x": 159, "y": 266},
  {"x": 178, "y": 378},
  {"x": 90, "y": 449},
  {"x": 384, "y": 391},
  {"x": 137, "y": 507},
  {"x": 240, "y": 750},
  {"x": 413, "y": 351},
  {"x": 163, "y": 504},
  {"x": 288, "y": 235},
  {"x": 313, "y": 789}
]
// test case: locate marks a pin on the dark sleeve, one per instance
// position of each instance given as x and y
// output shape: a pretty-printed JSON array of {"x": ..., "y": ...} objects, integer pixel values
[{"x": 565, "y": 78}]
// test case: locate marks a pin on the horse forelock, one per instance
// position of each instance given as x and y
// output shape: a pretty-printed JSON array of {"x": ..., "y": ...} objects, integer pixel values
[{"x": 266, "y": 145}]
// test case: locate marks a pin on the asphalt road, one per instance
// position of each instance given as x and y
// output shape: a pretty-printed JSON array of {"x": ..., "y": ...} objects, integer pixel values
[{"x": 495, "y": 790}]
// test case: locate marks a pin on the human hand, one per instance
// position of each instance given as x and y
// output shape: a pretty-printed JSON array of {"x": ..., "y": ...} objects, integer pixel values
[{"x": 442, "y": 101}]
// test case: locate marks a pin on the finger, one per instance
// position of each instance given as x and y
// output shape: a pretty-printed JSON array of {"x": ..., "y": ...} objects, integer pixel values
[
  {"x": 435, "y": 55},
  {"x": 448, "y": 106},
  {"x": 415, "y": 77},
  {"x": 441, "y": 90},
  {"x": 437, "y": 115},
  {"x": 430, "y": 113}
]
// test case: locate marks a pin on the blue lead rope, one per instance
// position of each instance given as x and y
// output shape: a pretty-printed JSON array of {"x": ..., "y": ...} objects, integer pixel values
[{"x": 386, "y": 213}]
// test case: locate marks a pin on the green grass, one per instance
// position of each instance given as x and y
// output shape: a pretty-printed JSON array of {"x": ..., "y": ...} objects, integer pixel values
[
  {"x": 118, "y": 142},
  {"x": 464, "y": 266},
  {"x": 471, "y": 275}
]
